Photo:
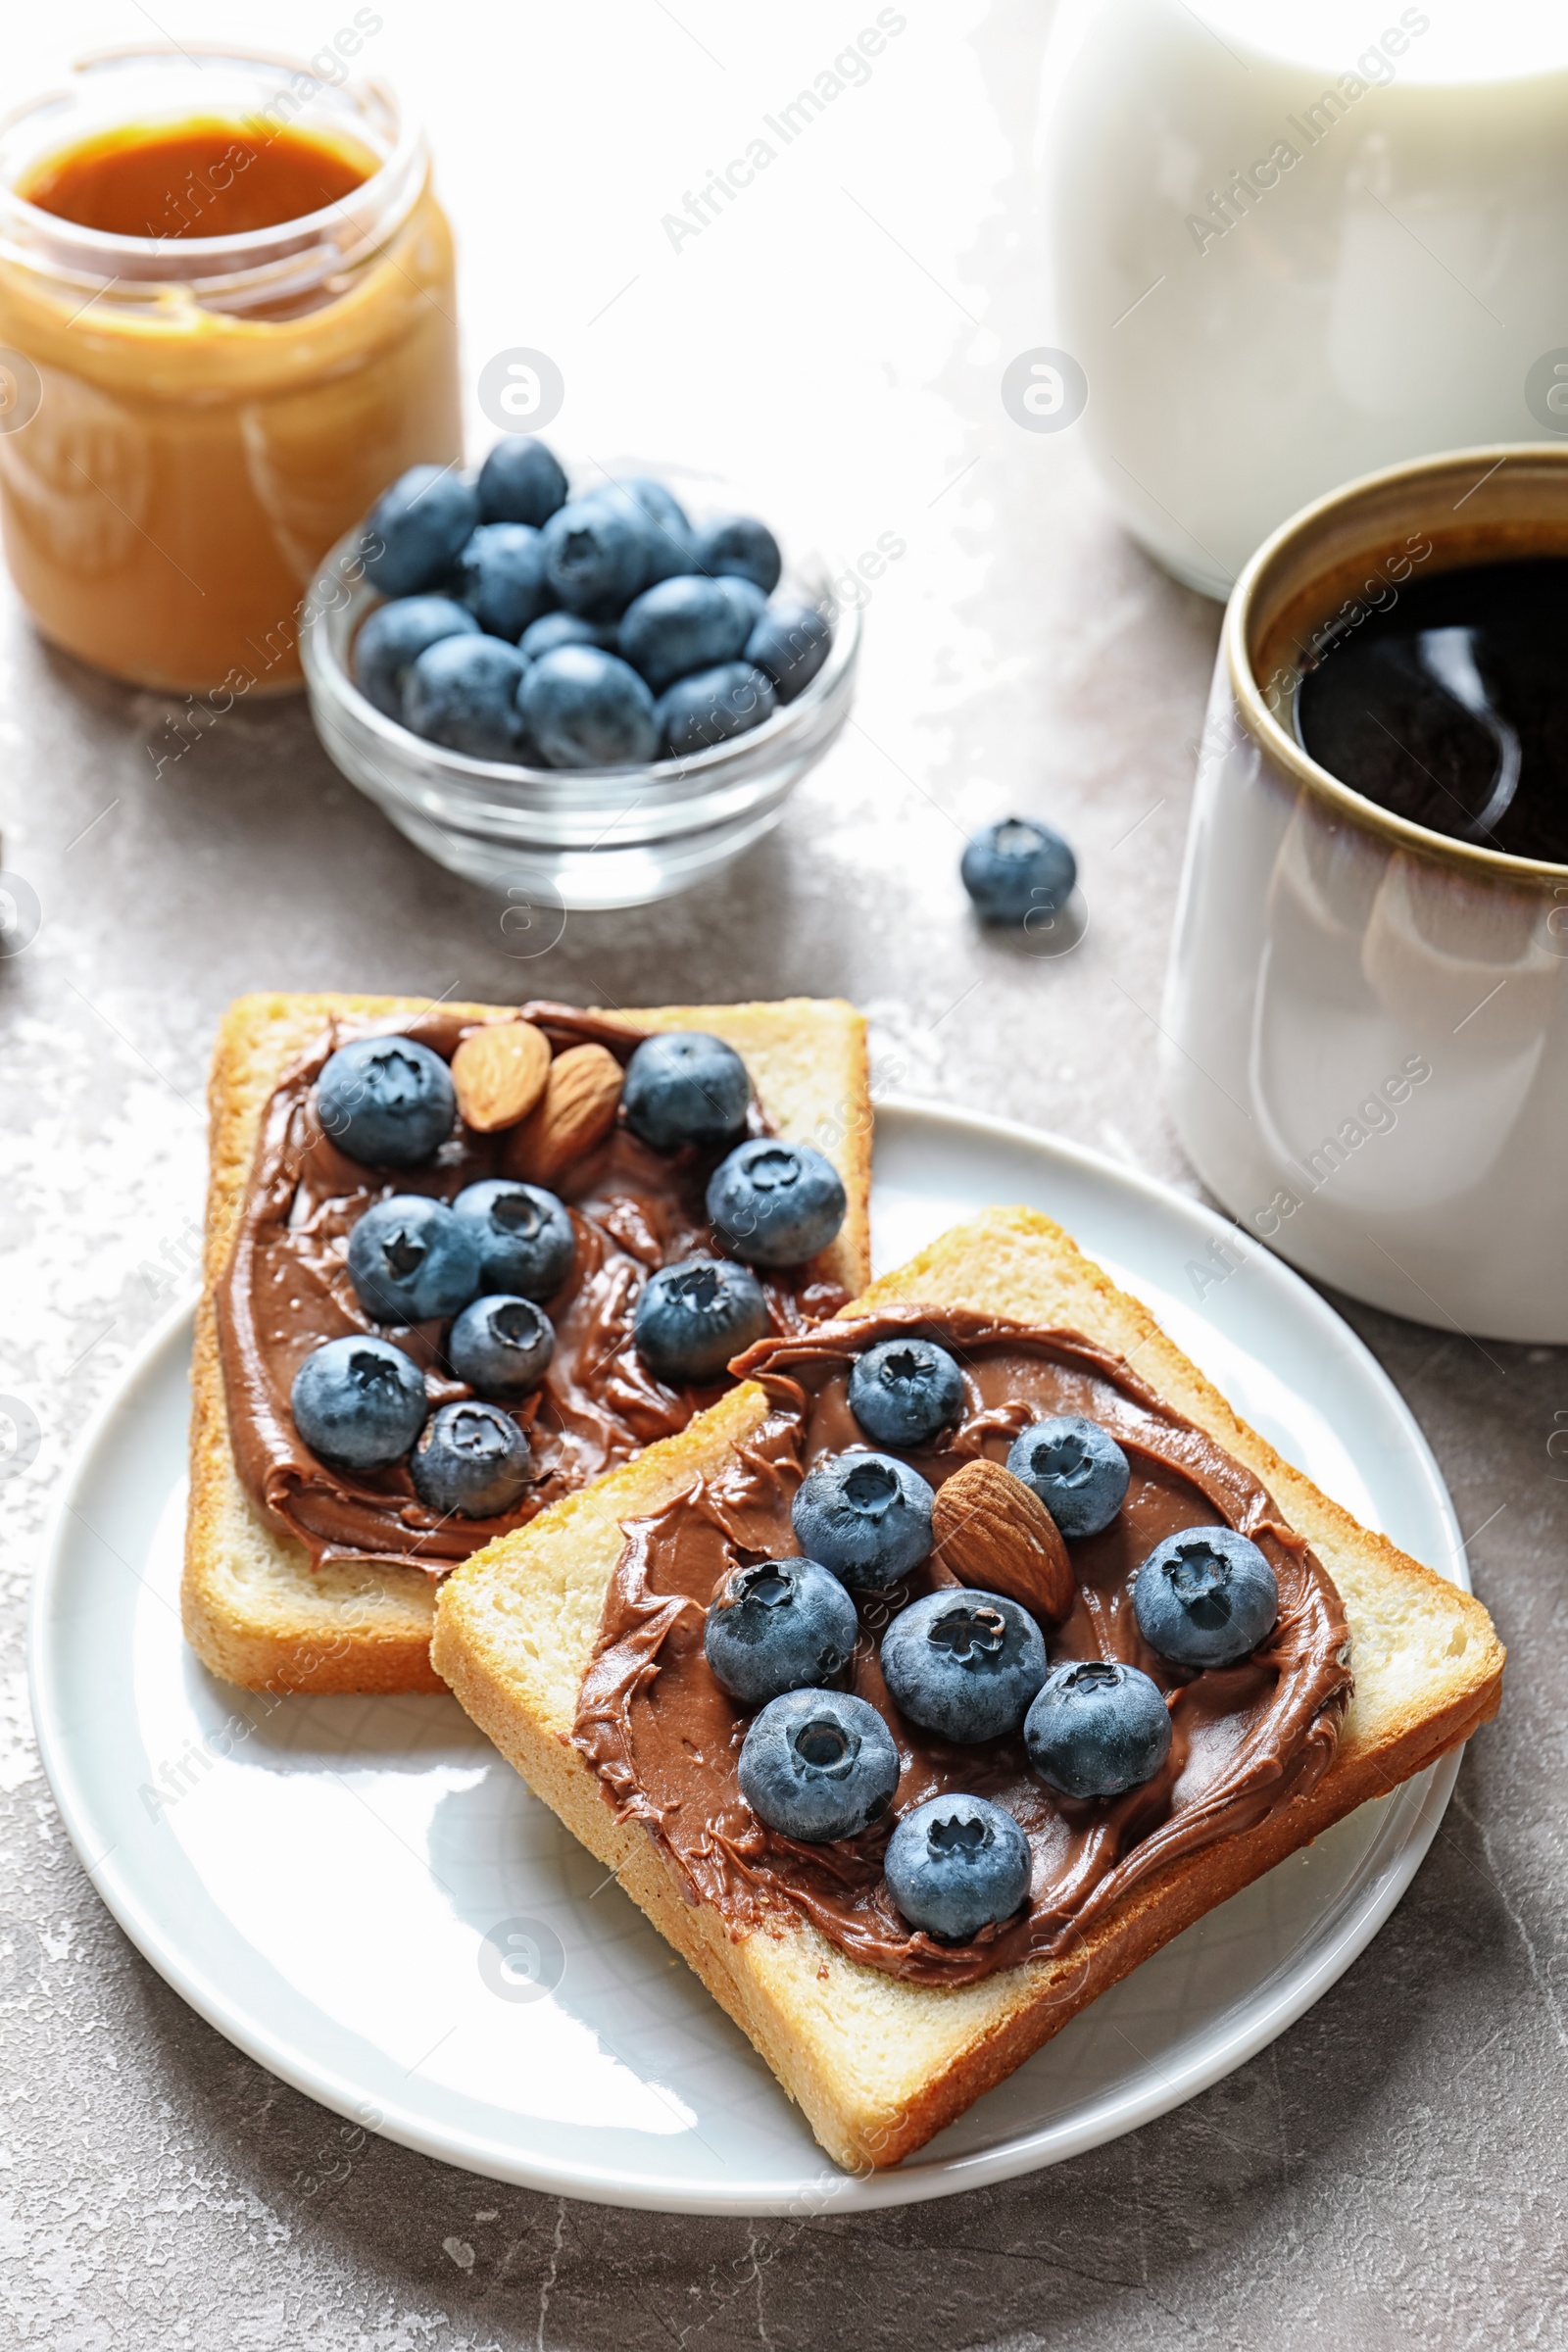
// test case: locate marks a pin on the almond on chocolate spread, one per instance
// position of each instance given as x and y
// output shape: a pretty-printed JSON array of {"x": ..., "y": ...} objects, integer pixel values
[
  {"x": 992, "y": 1531},
  {"x": 499, "y": 1072}
]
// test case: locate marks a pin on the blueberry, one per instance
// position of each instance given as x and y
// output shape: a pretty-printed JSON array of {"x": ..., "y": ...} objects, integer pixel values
[
  {"x": 501, "y": 1345},
  {"x": 682, "y": 624},
  {"x": 415, "y": 531},
  {"x": 1017, "y": 869},
  {"x": 669, "y": 533},
  {"x": 359, "y": 1401},
  {"x": 393, "y": 639},
  {"x": 1076, "y": 1468},
  {"x": 410, "y": 1259},
  {"x": 955, "y": 1865},
  {"x": 744, "y": 598},
  {"x": 521, "y": 481},
  {"x": 780, "y": 1624},
  {"x": 867, "y": 1516},
  {"x": 386, "y": 1100},
  {"x": 685, "y": 1088},
  {"x": 564, "y": 628},
  {"x": 599, "y": 553},
  {"x": 902, "y": 1392},
  {"x": 660, "y": 506},
  {"x": 818, "y": 1764},
  {"x": 789, "y": 645},
  {"x": 1098, "y": 1727},
  {"x": 526, "y": 1242},
  {"x": 501, "y": 573},
  {"x": 710, "y": 706},
  {"x": 463, "y": 693},
  {"x": 739, "y": 544},
  {"x": 586, "y": 708},
  {"x": 776, "y": 1203},
  {"x": 1205, "y": 1598},
  {"x": 691, "y": 1318},
  {"x": 963, "y": 1664},
  {"x": 472, "y": 1460}
]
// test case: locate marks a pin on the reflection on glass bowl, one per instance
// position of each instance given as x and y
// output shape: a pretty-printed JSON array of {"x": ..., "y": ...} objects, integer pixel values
[{"x": 579, "y": 839}]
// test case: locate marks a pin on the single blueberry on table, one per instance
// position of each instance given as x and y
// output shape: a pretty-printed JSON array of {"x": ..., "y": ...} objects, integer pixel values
[
  {"x": 691, "y": 1318},
  {"x": 740, "y": 544},
  {"x": 599, "y": 553},
  {"x": 543, "y": 636},
  {"x": 902, "y": 1392},
  {"x": 386, "y": 1100},
  {"x": 712, "y": 705},
  {"x": 789, "y": 645},
  {"x": 587, "y": 708},
  {"x": 521, "y": 481},
  {"x": 963, "y": 1664},
  {"x": 780, "y": 1624},
  {"x": 393, "y": 639},
  {"x": 501, "y": 577},
  {"x": 867, "y": 1516},
  {"x": 501, "y": 1345},
  {"x": 1076, "y": 1468},
  {"x": 414, "y": 532},
  {"x": 412, "y": 1260},
  {"x": 526, "y": 1242},
  {"x": 957, "y": 1864},
  {"x": 462, "y": 693},
  {"x": 682, "y": 624},
  {"x": 472, "y": 1461},
  {"x": 775, "y": 1204},
  {"x": 359, "y": 1401},
  {"x": 685, "y": 1086},
  {"x": 1205, "y": 1598},
  {"x": 1018, "y": 869},
  {"x": 1096, "y": 1728},
  {"x": 818, "y": 1765}
]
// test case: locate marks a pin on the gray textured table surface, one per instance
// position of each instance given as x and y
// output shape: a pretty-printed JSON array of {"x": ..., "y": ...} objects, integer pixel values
[{"x": 1392, "y": 2170}]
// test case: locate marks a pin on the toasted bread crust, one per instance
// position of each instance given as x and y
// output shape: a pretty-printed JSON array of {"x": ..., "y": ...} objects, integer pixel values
[
  {"x": 253, "y": 1610},
  {"x": 878, "y": 2065}
]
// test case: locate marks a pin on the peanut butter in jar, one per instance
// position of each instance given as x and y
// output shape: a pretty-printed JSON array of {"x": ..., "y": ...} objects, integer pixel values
[{"x": 227, "y": 320}]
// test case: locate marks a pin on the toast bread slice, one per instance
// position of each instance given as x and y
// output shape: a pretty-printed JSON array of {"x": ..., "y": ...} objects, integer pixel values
[
  {"x": 254, "y": 1609},
  {"x": 877, "y": 2064}
]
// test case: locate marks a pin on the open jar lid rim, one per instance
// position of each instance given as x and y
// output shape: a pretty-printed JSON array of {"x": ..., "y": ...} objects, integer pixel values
[{"x": 310, "y": 246}]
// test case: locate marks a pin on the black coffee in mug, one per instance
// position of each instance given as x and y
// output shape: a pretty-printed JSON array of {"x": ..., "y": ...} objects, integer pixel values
[{"x": 1451, "y": 705}]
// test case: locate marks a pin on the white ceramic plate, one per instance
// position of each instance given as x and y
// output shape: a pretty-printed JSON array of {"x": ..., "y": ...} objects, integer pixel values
[{"x": 361, "y": 1894}]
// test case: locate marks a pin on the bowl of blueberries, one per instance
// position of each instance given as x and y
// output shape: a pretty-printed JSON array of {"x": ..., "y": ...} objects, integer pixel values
[{"x": 598, "y": 692}]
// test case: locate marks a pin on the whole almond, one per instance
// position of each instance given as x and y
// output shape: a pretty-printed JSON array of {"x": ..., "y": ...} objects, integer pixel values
[
  {"x": 994, "y": 1531},
  {"x": 500, "y": 1073},
  {"x": 575, "y": 1111}
]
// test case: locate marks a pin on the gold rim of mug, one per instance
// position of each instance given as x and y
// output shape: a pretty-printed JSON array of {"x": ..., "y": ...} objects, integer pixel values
[{"x": 1467, "y": 470}]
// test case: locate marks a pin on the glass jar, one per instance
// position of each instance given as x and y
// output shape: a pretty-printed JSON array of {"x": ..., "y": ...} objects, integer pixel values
[{"x": 188, "y": 422}]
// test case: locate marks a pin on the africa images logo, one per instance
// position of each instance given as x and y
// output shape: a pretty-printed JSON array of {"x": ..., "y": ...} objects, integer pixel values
[
  {"x": 1242, "y": 190},
  {"x": 851, "y": 69}
]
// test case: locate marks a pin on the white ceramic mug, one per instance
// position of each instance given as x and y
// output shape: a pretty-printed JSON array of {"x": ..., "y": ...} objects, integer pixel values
[
  {"x": 1293, "y": 240},
  {"x": 1366, "y": 1022}
]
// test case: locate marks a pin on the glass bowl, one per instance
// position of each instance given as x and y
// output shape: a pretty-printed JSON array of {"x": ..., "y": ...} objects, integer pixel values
[{"x": 585, "y": 838}]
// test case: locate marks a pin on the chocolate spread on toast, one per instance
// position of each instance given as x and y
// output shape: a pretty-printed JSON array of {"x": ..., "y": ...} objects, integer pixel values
[
  {"x": 665, "y": 1739},
  {"x": 286, "y": 1290}
]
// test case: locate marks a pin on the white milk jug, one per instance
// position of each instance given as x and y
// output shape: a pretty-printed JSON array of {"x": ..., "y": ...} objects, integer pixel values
[{"x": 1293, "y": 242}]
